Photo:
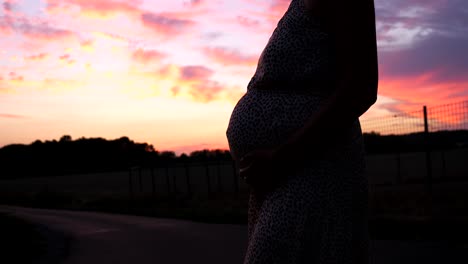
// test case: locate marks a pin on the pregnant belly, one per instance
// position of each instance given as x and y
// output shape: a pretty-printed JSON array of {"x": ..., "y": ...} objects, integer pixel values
[{"x": 264, "y": 118}]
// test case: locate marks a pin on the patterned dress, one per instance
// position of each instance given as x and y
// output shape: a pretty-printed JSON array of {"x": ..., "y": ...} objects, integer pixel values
[{"x": 319, "y": 214}]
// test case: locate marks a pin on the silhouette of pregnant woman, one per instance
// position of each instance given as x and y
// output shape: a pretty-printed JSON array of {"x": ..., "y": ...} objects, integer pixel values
[{"x": 296, "y": 138}]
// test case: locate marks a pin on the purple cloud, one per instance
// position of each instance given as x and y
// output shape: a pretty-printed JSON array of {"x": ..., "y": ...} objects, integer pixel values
[
  {"x": 434, "y": 37},
  {"x": 195, "y": 73},
  {"x": 32, "y": 29},
  {"x": 166, "y": 24}
]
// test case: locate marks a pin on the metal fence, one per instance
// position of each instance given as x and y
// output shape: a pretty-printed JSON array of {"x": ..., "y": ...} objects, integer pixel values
[
  {"x": 428, "y": 119},
  {"x": 425, "y": 167},
  {"x": 428, "y": 165},
  {"x": 186, "y": 179}
]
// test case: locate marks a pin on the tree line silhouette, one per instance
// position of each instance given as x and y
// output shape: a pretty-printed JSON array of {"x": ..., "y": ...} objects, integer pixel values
[{"x": 86, "y": 155}]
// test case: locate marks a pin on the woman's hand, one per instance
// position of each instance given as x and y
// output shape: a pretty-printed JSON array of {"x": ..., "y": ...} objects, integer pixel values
[{"x": 260, "y": 169}]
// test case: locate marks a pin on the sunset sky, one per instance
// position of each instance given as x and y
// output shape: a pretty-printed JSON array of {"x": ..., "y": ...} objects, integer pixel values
[{"x": 169, "y": 72}]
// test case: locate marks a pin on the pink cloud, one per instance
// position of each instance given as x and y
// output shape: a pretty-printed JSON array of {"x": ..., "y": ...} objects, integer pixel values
[
  {"x": 195, "y": 73},
  {"x": 278, "y": 7},
  {"x": 166, "y": 24},
  {"x": 414, "y": 91},
  {"x": 101, "y": 8},
  {"x": 196, "y": 81},
  {"x": 248, "y": 22},
  {"x": 230, "y": 57},
  {"x": 194, "y": 2},
  {"x": 147, "y": 56},
  {"x": 6, "y": 24}
]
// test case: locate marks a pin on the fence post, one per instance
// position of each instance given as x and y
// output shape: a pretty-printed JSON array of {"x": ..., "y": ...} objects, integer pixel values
[
  {"x": 399, "y": 179},
  {"x": 174, "y": 180},
  {"x": 220, "y": 187},
  {"x": 130, "y": 188},
  {"x": 208, "y": 182},
  {"x": 444, "y": 168},
  {"x": 153, "y": 185},
  {"x": 167, "y": 181},
  {"x": 428, "y": 162},
  {"x": 236, "y": 183},
  {"x": 140, "y": 180},
  {"x": 187, "y": 178}
]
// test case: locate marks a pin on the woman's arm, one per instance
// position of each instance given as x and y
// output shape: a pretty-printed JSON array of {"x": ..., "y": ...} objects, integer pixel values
[{"x": 352, "y": 27}]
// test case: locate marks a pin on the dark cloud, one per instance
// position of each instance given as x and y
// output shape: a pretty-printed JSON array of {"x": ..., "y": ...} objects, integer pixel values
[
  {"x": 43, "y": 31},
  {"x": 442, "y": 17},
  {"x": 446, "y": 57},
  {"x": 438, "y": 43},
  {"x": 7, "y": 6},
  {"x": 165, "y": 24},
  {"x": 33, "y": 29}
]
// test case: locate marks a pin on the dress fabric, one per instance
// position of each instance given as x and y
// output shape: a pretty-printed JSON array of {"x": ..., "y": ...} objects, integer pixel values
[{"x": 319, "y": 214}]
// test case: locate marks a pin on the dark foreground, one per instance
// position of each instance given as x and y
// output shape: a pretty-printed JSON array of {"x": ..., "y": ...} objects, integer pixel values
[{"x": 110, "y": 238}]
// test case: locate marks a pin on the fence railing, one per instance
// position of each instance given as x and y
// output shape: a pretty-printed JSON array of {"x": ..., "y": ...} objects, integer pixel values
[
  {"x": 426, "y": 167},
  {"x": 187, "y": 179},
  {"x": 430, "y": 119}
]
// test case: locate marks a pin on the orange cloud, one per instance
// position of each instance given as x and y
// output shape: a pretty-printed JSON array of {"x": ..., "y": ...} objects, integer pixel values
[
  {"x": 37, "y": 57},
  {"x": 230, "y": 57},
  {"x": 15, "y": 77},
  {"x": 93, "y": 8},
  {"x": 4, "y": 115},
  {"x": 147, "y": 56},
  {"x": 86, "y": 44},
  {"x": 197, "y": 82},
  {"x": 165, "y": 23},
  {"x": 66, "y": 58},
  {"x": 206, "y": 92}
]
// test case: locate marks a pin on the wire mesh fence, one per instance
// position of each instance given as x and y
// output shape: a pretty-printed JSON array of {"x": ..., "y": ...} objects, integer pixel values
[
  {"x": 435, "y": 118},
  {"x": 448, "y": 117}
]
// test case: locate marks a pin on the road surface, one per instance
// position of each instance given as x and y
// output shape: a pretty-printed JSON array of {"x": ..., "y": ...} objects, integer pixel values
[{"x": 109, "y": 238}]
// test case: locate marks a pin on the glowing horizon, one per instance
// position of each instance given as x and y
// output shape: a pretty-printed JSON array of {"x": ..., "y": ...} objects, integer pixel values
[{"x": 170, "y": 72}]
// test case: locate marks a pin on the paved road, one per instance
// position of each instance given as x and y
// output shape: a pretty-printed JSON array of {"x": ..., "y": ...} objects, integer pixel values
[{"x": 105, "y": 238}]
